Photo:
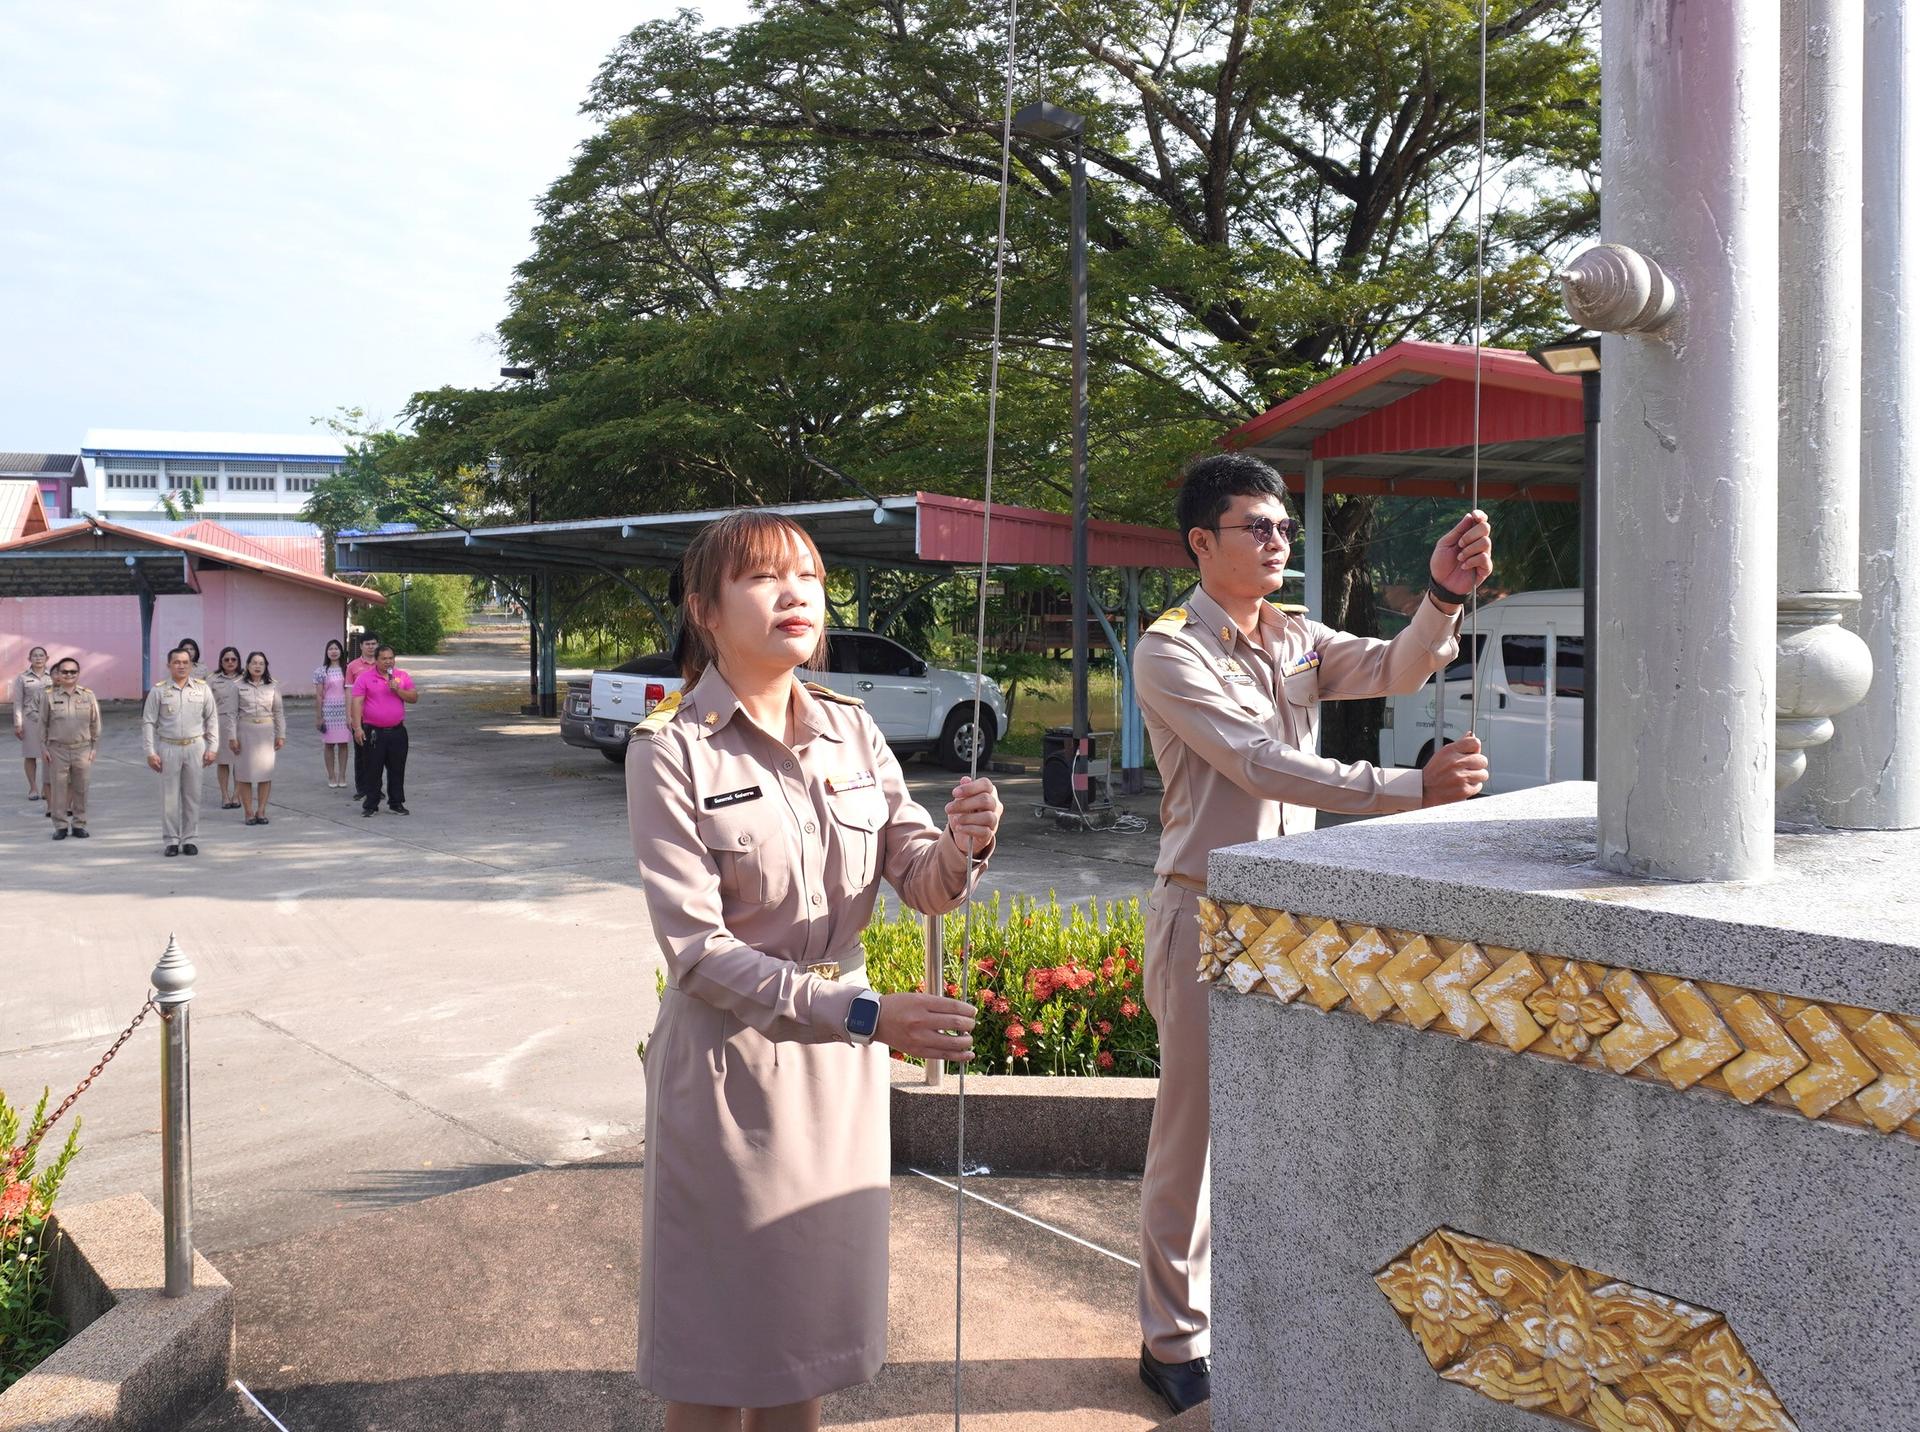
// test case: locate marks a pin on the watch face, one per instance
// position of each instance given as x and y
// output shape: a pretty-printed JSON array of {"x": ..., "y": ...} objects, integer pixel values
[{"x": 864, "y": 1017}]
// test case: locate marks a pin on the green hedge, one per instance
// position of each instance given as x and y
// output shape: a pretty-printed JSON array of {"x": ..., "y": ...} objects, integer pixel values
[{"x": 415, "y": 622}]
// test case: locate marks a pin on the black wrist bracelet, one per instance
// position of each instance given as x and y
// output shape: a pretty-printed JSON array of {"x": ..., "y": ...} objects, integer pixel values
[{"x": 1441, "y": 594}]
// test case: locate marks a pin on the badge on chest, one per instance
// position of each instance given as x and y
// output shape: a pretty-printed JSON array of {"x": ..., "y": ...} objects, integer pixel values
[
  {"x": 1232, "y": 672},
  {"x": 850, "y": 781},
  {"x": 1309, "y": 662},
  {"x": 732, "y": 798}
]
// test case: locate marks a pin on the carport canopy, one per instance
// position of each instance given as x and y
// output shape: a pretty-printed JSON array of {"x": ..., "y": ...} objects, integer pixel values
[
  {"x": 1402, "y": 424},
  {"x": 922, "y": 532}
]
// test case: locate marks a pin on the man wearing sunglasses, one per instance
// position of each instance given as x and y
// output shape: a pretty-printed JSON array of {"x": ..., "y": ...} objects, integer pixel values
[{"x": 1231, "y": 687}]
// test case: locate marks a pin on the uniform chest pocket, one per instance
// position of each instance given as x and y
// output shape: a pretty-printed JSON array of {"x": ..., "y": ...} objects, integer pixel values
[
  {"x": 746, "y": 846},
  {"x": 1251, "y": 699},
  {"x": 857, "y": 820},
  {"x": 1301, "y": 688}
]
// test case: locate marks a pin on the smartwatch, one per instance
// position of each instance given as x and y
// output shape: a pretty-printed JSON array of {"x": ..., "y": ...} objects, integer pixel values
[{"x": 863, "y": 1017}]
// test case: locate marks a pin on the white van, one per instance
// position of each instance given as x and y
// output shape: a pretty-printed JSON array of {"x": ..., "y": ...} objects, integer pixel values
[{"x": 1530, "y": 717}]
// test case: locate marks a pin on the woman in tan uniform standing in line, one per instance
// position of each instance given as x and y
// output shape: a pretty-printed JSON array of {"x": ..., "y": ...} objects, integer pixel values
[
  {"x": 259, "y": 731},
  {"x": 764, "y": 813},
  {"x": 223, "y": 682},
  {"x": 29, "y": 687}
]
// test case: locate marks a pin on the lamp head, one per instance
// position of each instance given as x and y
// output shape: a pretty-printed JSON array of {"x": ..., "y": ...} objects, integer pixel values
[{"x": 1041, "y": 120}]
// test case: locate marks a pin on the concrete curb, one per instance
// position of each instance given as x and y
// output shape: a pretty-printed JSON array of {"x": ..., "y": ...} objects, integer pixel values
[
  {"x": 1023, "y": 1123},
  {"x": 137, "y": 1361}
]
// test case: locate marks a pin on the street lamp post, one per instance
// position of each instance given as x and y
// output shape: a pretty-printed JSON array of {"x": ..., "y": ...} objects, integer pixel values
[
  {"x": 1578, "y": 354},
  {"x": 1043, "y": 121}
]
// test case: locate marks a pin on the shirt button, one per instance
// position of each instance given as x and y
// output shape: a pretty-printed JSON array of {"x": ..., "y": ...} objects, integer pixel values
[
  {"x": 816, "y": 899},
  {"x": 809, "y": 827},
  {"x": 786, "y": 765},
  {"x": 746, "y": 840}
]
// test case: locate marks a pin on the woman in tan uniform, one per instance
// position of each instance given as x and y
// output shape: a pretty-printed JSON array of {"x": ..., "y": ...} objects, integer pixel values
[
  {"x": 764, "y": 813},
  {"x": 27, "y": 690},
  {"x": 227, "y": 676},
  {"x": 259, "y": 731}
]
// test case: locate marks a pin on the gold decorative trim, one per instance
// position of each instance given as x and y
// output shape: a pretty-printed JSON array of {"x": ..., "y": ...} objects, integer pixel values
[
  {"x": 1572, "y": 1343},
  {"x": 1829, "y": 1061}
]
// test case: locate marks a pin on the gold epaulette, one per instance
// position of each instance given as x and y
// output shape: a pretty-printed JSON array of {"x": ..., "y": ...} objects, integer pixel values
[
  {"x": 1169, "y": 621},
  {"x": 1292, "y": 608},
  {"x": 659, "y": 716},
  {"x": 827, "y": 693}
]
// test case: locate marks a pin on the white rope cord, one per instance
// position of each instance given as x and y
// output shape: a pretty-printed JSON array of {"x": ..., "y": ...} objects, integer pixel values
[
  {"x": 979, "y": 678},
  {"x": 1479, "y": 312}
]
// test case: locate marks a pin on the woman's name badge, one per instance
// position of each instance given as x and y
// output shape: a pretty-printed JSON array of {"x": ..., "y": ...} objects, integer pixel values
[{"x": 858, "y": 780}]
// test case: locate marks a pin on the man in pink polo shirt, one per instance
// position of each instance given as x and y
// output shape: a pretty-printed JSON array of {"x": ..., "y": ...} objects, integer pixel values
[
  {"x": 363, "y": 662},
  {"x": 377, "y": 712}
]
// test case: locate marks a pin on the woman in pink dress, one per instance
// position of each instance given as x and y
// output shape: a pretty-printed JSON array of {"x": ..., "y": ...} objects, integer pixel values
[{"x": 330, "y": 713}]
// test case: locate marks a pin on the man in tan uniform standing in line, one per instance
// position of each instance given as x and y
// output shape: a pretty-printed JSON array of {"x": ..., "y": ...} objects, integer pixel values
[
  {"x": 1231, "y": 687},
  {"x": 69, "y": 737},
  {"x": 180, "y": 728}
]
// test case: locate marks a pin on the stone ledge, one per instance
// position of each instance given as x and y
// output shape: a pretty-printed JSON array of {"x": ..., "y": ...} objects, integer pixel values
[
  {"x": 137, "y": 1361},
  {"x": 1019, "y": 1123}
]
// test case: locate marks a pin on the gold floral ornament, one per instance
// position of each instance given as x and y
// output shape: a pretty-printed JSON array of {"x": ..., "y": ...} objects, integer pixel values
[
  {"x": 1831, "y": 1062},
  {"x": 1563, "y": 1340}
]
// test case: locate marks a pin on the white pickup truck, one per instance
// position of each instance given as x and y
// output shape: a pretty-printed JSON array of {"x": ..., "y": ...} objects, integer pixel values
[{"x": 917, "y": 707}]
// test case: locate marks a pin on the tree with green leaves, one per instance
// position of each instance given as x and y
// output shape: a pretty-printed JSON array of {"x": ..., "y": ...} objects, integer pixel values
[{"x": 778, "y": 245}]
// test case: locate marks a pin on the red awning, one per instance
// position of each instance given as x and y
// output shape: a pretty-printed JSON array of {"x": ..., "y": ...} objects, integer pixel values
[{"x": 949, "y": 531}]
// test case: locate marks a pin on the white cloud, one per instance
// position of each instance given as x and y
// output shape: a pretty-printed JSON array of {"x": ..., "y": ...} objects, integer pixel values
[{"x": 235, "y": 215}]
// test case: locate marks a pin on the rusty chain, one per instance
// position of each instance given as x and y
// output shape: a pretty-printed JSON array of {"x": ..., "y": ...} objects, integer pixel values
[{"x": 17, "y": 1157}]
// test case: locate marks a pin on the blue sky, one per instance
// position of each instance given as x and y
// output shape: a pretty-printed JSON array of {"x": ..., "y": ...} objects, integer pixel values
[{"x": 239, "y": 215}]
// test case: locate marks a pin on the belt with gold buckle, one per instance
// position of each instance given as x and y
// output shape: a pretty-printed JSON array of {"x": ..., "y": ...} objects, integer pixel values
[
  {"x": 826, "y": 969},
  {"x": 182, "y": 740}
]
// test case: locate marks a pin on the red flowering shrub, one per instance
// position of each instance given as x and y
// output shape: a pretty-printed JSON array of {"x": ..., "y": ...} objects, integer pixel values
[
  {"x": 1057, "y": 992},
  {"x": 28, "y": 1328}
]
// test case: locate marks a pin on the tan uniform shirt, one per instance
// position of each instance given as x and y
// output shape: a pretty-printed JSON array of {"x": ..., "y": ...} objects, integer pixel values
[
  {"x": 760, "y": 860},
  {"x": 1235, "y": 722},
  {"x": 257, "y": 702},
  {"x": 27, "y": 691},
  {"x": 223, "y": 687},
  {"x": 178, "y": 713},
  {"x": 70, "y": 718}
]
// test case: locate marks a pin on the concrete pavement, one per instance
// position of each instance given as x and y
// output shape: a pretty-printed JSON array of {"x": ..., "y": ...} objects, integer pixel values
[{"x": 417, "y": 1109}]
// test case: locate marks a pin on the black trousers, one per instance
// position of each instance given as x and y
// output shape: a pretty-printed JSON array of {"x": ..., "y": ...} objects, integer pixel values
[
  {"x": 361, "y": 754},
  {"x": 385, "y": 755}
]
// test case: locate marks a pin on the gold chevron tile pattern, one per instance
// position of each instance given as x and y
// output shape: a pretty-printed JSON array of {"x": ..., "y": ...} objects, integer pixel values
[
  {"x": 1829, "y": 1061},
  {"x": 1567, "y": 1342}
]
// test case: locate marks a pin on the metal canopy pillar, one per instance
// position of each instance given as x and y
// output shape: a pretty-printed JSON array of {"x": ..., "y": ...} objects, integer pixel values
[
  {"x": 1315, "y": 503},
  {"x": 146, "y": 631},
  {"x": 546, "y": 697},
  {"x": 1133, "y": 729},
  {"x": 863, "y": 594}
]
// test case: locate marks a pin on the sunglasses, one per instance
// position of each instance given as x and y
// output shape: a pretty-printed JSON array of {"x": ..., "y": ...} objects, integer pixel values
[{"x": 1264, "y": 529}]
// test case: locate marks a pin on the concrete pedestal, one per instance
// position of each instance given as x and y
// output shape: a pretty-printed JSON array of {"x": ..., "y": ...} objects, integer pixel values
[{"x": 1517, "y": 1137}]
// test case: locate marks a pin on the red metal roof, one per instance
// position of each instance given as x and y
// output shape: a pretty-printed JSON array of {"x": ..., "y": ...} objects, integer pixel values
[
  {"x": 308, "y": 554},
  {"x": 1400, "y": 370},
  {"x": 949, "y": 531},
  {"x": 232, "y": 557}
]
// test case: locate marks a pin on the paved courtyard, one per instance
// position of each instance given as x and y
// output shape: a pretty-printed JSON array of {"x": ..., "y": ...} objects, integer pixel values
[{"x": 398, "y": 1008}]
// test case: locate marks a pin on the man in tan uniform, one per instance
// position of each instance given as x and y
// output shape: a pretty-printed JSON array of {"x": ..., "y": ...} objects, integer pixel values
[
  {"x": 1231, "y": 686},
  {"x": 179, "y": 728},
  {"x": 70, "y": 734}
]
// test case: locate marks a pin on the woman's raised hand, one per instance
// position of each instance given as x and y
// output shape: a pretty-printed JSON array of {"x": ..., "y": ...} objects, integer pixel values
[{"x": 927, "y": 1026}]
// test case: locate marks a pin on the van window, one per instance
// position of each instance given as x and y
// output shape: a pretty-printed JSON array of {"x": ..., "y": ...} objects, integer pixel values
[
  {"x": 1525, "y": 658},
  {"x": 1462, "y": 668}
]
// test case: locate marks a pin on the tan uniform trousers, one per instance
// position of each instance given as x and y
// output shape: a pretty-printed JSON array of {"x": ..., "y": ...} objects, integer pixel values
[
  {"x": 70, "y": 770},
  {"x": 180, "y": 772},
  {"x": 1176, "y": 1224}
]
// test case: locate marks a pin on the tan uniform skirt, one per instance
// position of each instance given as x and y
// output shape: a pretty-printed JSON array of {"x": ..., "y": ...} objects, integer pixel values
[
  {"x": 763, "y": 1274},
  {"x": 31, "y": 748},
  {"x": 255, "y": 761}
]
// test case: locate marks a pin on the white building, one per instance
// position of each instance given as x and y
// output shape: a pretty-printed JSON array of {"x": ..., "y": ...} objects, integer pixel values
[{"x": 252, "y": 477}]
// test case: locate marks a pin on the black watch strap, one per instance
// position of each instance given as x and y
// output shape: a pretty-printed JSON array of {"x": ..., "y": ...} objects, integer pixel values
[{"x": 1441, "y": 594}]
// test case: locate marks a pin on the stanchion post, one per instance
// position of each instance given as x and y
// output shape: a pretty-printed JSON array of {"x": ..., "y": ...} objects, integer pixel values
[
  {"x": 936, "y": 983},
  {"x": 173, "y": 991}
]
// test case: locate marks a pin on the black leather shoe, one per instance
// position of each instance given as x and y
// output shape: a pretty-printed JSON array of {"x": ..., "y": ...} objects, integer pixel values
[
  {"x": 1180, "y": 1385},
  {"x": 60, "y": 833},
  {"x": 79, "y": 832},
  {"x": 368, "y": 810},
  {"x": 399, "y": 810},
  {"x": 173, "y": 850},
  {"x": 189, "y": 850}
]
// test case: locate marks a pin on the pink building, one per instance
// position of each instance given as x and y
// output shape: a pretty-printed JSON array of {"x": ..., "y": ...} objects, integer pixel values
[{"x": 76, "y": 591}]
